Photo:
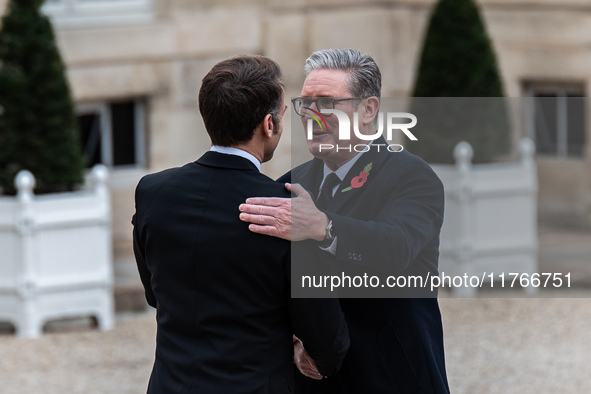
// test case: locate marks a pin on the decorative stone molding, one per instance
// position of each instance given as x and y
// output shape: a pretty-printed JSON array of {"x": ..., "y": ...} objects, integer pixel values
[{"x": 80, "y": 13}]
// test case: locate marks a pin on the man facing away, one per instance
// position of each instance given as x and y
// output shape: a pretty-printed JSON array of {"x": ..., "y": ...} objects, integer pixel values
[
  {"x": 222, "y": 293},
  {"x": 384, "y": 213}
]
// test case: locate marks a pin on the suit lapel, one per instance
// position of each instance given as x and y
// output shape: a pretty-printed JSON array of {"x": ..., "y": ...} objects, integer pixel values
[
  {"x": 309, "y": 176},
  {"x": 346, "y": 192}
]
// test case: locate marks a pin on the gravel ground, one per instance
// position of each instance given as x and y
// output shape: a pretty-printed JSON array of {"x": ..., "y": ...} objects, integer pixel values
[
  {"x": 79, "y": 359},
  {"x": 510, "y": 345},
  {"x": 493, "y": 345}
]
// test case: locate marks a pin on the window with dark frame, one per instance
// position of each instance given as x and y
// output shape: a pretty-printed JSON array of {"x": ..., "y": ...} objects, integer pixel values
[
  {"x": 113, "y": 133},
  {"x": 557, "y": 118}
]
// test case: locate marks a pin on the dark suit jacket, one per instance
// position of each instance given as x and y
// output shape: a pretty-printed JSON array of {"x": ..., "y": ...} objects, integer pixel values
[
  {"x": 389, "y": 225},
  {"x": 222, "y": 293}
]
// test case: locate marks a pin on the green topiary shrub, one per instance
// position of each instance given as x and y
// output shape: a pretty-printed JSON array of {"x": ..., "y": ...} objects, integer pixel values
[
  {"x": 38, "y": 129},
  {"x": 458, "y": 60}
]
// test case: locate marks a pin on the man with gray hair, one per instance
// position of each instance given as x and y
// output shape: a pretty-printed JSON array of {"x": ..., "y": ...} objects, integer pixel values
[{"x": 373, "y": 209}]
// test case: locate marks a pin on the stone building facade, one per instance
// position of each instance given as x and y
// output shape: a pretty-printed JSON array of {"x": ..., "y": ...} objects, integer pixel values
[{"x": 135, "y": 68}]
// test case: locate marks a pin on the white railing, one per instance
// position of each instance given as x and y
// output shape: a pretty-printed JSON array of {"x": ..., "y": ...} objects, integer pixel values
[
  {"x": 490, "y": 222},
  {"x": 56, "y": 259}
]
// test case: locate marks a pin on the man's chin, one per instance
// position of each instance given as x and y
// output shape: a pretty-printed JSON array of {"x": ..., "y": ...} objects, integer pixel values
[
  {"x": 320, "y": 149},
  {"x": 267, "y": 158}
]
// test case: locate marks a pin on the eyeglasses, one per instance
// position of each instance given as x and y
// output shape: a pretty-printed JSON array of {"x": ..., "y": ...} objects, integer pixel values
[{"x": 300, "y": 104}]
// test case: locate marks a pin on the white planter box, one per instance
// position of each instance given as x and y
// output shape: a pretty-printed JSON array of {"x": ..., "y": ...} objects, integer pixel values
[
  {"x": 490, "y": 222},
  {"x": 56, "y": 257}
]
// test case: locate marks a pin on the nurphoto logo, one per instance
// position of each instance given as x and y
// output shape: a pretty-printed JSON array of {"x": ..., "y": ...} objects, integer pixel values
[{"x": 345, "y": 128}]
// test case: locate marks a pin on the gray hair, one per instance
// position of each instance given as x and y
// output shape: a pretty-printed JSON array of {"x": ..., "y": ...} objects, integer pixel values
[{"x": 365, "y": 79}]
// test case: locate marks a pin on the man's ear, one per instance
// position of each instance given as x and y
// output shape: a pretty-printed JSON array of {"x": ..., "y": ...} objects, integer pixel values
[
  {"x": 370, "y": 109},
  {"x": 268, "y": 125}
]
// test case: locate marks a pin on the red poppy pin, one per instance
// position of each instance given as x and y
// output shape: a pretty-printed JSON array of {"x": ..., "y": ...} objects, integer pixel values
[{"x": 359, "y": 180}]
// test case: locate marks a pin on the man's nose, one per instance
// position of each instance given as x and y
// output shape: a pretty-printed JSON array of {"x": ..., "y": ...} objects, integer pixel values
[
  {"x": 308, "y": 113},
  {"x": 314, "y": 105}
]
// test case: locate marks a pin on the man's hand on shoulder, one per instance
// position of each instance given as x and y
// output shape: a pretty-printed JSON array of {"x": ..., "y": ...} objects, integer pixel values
[
  {"x": 268, "y": 215},
  {"x": 293, "y": 219}
]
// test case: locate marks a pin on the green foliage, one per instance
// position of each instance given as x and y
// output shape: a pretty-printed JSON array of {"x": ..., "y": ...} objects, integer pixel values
[
  {"x": 458, "y": 61},
  {"x": 38, "y": 130}
]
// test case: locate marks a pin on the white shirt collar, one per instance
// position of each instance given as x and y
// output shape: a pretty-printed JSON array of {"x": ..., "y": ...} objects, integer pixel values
[{"x": 228, "y": 150}]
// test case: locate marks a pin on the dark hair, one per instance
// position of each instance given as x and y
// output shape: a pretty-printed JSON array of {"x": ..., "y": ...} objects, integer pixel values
[
  {"x": 365, "y": 79},
  {"x": 237, "y": 94}
]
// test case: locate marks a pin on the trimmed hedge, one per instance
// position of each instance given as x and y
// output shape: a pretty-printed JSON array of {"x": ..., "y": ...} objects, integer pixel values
[
  {"x": 38, "y": 129},
  {"x": 458, "y": 60}
]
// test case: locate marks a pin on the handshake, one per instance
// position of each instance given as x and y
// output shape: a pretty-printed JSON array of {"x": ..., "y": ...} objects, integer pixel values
[{"x": 303, "y": 361}]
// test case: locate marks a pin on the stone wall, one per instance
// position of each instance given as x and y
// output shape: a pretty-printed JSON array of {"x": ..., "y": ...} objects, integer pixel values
[{"x": 163, "y": 59}]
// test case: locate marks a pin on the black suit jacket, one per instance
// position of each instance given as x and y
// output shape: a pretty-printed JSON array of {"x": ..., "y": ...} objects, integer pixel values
[
  {"x": 222, "y": 293},
  {"x": 389, "y": 225}
]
